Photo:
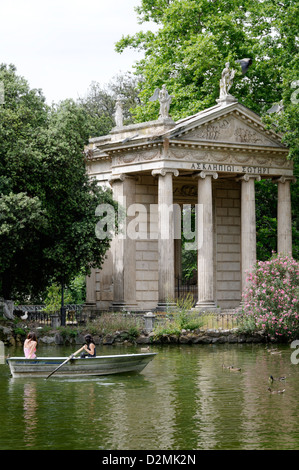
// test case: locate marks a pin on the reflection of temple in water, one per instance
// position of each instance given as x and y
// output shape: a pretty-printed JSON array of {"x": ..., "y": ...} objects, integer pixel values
[{"x": 30, "y": 414}]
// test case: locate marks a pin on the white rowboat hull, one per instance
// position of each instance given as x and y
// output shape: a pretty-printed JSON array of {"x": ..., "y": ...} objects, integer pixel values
[{"x": 100, "y": 365}]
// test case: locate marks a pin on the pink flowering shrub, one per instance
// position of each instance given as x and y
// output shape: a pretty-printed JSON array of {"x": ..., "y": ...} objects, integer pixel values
[{"x": 270, "y": 301}]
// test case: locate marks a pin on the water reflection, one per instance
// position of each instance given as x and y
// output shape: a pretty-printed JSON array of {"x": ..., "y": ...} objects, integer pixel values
[
  {"x": 184, "y": 399},
  {"x": 30, "y": 413}
]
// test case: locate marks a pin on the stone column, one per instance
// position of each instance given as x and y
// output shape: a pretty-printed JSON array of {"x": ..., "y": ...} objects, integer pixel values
[
  {"x": 124, "y": 248},
  {"x": 284, "y": 215},
  {"x": 205, "y": 252},
  {"x": 165, "y": 236},
  {"x": 91, "y": 288},
  {"x": 90, "y": 304},
  {"x": 178, "y": 258},
  {"x": 248, "y": 225}
]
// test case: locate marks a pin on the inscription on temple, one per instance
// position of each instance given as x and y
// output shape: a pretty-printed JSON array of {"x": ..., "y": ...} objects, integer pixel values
[{"x": 230, "y": 168}]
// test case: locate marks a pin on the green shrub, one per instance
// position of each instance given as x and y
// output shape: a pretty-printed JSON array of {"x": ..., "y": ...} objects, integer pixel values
[
  {"x": 182, "y": 318},
  {"x": 53, "y": 299},
  {"x": 167, "y": 328},
  {"x": 20, "y": 331},
  {"x": 109, "y": 323},
  {"x": 270, "y": 301},
  {"x": 67, "y": 332}
]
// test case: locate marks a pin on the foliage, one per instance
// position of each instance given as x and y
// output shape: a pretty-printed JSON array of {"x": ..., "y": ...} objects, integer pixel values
[
  {"x": 246, "y": 324},
  {"x": 53, "y": 299},
  {"x": 167, "y": 328},
  {"x": 196, "y": 38},
  {"x": 108, "y": 323},
  {"x": 189, "y": 257},
  {"x": 68, "y": 332},
  {"x": 77, "y": 290},
  {"x": 47, "y": 200},
  {"x": 271, "y": 297},
  {"x": 133, "y": 332},
  {"x": 22, "y": 220},
  {"x": 20, "y": 331},
  {"x": 187, "y": 52},
  {"x": 266, "y": 223},
  {"x": 99, "y": 102},
  {"x": 74, "y": 293},
  {"x": 181, "y": 318}
]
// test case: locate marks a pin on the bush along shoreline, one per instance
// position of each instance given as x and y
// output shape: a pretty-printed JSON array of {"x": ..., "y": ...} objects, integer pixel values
[
  {"x": 271, "y": 298},
  {"x": 14, "y": 335}
]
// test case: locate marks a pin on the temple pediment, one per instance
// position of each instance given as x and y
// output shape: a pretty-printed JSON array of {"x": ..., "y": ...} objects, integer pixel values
[{"x": 232, "y": 124}]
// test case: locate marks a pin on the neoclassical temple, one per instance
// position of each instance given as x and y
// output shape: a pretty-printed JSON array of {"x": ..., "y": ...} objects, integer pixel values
[{"x": 210, "y": 160}]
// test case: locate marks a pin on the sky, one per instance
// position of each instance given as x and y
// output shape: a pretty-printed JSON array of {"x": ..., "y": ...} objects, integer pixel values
[{"x": 61, "y": 46}]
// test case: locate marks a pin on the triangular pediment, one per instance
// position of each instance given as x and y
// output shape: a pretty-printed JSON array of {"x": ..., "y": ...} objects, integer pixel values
[{"x": 232, "y": 124}]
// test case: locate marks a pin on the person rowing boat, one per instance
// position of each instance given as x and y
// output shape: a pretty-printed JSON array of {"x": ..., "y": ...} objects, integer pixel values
[{"x": 89, "y": 347}]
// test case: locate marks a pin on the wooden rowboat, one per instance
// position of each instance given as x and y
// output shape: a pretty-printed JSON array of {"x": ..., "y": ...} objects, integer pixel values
[{"x": 100, "y": 365}]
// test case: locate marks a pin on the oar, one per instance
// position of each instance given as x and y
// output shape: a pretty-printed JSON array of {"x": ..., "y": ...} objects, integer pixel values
[{"x": 68, "y": 359}]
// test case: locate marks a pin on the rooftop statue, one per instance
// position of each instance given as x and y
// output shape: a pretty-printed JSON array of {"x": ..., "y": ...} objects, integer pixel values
[
  {"x": 227, "y": 78},
  {"x": 226, "y": 81},
  {"x": 118, "y": 116},
  {"x": 164, "y": 99}
]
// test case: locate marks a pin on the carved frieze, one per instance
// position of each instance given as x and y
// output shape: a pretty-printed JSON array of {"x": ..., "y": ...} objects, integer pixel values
[
  {"x": 226, "y": 157},
  {"x": 194, "y": 155},
  {"x": 136, "y": 157}
]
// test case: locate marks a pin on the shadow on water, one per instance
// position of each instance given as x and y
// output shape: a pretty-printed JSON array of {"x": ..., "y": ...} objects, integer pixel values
[{"x": 184, "y": 399}]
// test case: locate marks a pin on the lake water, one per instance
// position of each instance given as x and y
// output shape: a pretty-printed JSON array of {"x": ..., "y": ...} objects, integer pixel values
[{"x": 183, "y": 400}]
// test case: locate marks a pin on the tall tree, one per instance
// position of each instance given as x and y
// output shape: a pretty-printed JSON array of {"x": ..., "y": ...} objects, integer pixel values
[{"x": 47, "y": 201}]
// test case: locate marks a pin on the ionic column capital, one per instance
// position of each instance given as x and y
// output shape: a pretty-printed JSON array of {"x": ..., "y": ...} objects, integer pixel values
[
  {"x": 164, "y": 171},
  {"x": 247, "y": 177},
  {"x": 284, "y": 179},
  {"x": 115, "y": 178},
  {"x": 204, "y": 174},
  {"x": 120, "y": 177}
]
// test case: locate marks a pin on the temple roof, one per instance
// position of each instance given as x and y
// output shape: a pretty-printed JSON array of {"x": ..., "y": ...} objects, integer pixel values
[{"x": 227, "y": 123}]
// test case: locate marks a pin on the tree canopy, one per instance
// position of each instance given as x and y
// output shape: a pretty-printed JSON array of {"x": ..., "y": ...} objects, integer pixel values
[
  {"x": 188, "y": 51},
  {"x": 99, "y": 102},
  {"x": 47, "y": 201},
  {"x": 197, "y": 37}
]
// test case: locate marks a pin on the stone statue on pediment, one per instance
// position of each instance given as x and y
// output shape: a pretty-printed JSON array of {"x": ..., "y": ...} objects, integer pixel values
[
  {"x": 118, "y": 116},
  {"x": 164, "y": 99},
  {"x": 226, "y": 81}
]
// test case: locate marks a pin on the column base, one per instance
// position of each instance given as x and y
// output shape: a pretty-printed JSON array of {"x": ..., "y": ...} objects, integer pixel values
[
  {"x": 122, "y": 307},
  {"x": 165, "y": 306},
  {"x": 207, "y": 306},
  {"x": 89, "y": 307}
]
